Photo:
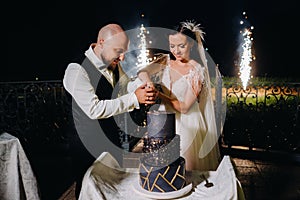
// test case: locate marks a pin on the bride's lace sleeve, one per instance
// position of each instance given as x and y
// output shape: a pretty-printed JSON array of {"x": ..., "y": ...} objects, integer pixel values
[{"x": 196, "y": 79}]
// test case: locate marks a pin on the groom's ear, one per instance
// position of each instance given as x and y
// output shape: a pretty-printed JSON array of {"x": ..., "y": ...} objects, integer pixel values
[{"x": 100, "y": 42}]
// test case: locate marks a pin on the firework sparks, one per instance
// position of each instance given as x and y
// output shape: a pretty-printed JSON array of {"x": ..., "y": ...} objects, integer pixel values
[
  {"x": 143, "y": 57},
  {"x": 246, "y": 56}
]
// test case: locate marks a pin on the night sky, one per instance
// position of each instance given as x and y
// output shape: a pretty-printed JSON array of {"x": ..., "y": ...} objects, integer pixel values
[{"x": 42, "y": 37}]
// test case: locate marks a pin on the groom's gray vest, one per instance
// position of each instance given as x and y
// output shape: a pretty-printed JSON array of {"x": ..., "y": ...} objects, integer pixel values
[{"x": 102, "y": 134}]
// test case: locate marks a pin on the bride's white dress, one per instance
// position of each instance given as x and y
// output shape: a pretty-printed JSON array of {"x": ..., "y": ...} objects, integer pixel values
[
  {"x": 191, "y": 126},
  {"x": 197, "y": 127}
]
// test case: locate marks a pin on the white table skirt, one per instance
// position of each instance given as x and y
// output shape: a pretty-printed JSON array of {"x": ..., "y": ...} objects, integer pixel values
[
  {"x": 106, "y": 180},
  {"x": 17, "y": 180}
]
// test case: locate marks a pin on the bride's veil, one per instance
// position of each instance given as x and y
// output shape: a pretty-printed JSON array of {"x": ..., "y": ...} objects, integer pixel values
[{"x": 211, "y": 99}]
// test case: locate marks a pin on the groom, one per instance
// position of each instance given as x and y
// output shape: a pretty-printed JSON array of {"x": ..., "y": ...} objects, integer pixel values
[{"x": 92, "y": 85}]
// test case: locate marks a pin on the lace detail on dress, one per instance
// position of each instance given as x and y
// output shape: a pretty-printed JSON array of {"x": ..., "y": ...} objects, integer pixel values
[{"x": 196, "y": 79}]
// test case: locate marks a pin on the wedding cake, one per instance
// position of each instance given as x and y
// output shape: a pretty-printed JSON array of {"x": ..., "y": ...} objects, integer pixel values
[{"x": 161, "y": 167}]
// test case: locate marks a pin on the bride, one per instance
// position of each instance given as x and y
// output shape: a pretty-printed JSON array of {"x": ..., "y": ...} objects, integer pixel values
[{"x": 185, "y": 90}]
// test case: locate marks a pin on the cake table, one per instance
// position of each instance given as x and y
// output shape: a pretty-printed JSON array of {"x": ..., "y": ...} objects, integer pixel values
[{"x": 105, "y": 179}]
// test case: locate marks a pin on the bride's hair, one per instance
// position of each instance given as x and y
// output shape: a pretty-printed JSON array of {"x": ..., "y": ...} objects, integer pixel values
[
  {"x": 191, "y": 29},
  {"x": 194, "y": 35}
]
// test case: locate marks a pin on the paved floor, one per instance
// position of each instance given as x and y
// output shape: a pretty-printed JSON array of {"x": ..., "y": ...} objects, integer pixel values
[
  {"x": 263, "y": 176},
  {"x": 268, "y": 179}
]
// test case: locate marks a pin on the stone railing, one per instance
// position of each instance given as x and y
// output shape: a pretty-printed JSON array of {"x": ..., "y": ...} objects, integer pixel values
[
  {"x": 35, "y": 112},
  {"x": 266, "y": 117}
]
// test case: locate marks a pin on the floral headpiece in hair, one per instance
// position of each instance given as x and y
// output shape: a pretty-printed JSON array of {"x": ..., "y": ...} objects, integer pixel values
[{"x": 191, "y": 25}]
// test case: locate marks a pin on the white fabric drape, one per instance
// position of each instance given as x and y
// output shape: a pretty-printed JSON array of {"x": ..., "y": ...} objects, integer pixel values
[
  {"x": 17, "y": 180},
  {"x": 106, "y": 180}
]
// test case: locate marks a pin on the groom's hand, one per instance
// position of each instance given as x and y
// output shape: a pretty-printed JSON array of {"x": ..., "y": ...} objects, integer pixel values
[{"x": 146, "y": 93}]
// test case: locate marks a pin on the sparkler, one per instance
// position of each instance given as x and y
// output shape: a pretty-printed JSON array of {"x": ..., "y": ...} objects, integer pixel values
[
  {"x": 143, "y": 57},
  {"x": 246, "y": 55}
]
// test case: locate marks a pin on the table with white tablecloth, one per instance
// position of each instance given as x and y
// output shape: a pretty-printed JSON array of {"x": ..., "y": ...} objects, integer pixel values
[
  {"x": 105, "y": 179},
  {"x": 17, "y": 180}
]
